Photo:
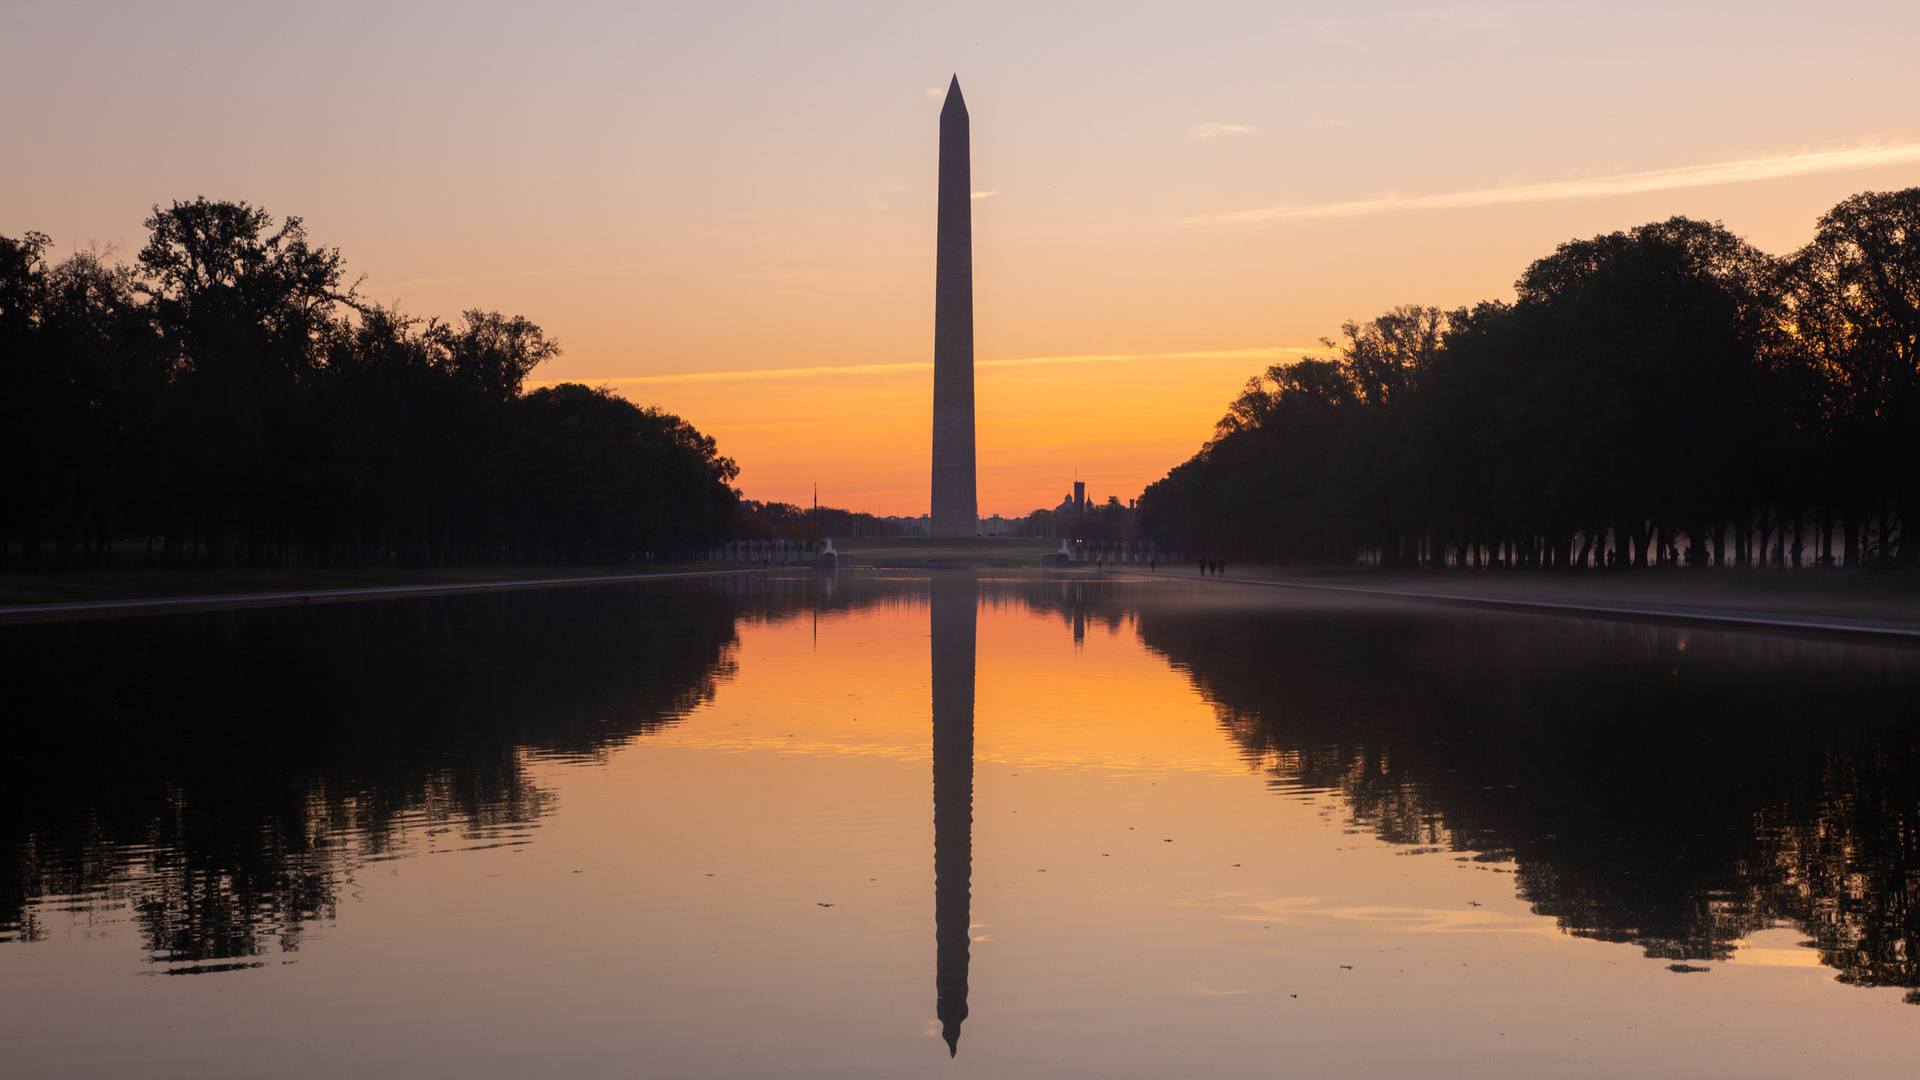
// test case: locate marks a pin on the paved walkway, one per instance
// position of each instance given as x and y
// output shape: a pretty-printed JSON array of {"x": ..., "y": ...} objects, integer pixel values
[
  {"x": 167, "y": 605},
  {"x": 1885, "y": 629},
  {"x": 1897, "y": 629}
]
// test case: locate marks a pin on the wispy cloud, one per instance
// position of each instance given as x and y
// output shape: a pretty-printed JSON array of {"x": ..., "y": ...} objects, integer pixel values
[
  {"x": 1262, "y": 352},
  {"x": 755, "y": 374},
  {"x": 987, "y": 194},
  {"x": 1208, "y": 131},
  {"x": 1265, "y": 354},
  {"x": 1745, "y": 170}
]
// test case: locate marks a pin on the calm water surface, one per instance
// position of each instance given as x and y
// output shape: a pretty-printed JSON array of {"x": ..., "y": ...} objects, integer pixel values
[{"x": 952, "y": 826}]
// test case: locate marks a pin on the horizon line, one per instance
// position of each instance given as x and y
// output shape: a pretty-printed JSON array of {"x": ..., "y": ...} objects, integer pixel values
[{"x": 832, "y": 370}]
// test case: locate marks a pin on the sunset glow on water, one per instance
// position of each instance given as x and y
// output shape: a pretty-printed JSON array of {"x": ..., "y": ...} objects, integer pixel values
[{"x": 687, "y": 829}]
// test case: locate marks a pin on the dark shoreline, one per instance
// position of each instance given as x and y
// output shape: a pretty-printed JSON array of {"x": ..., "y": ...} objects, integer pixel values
[
  {"x": 18, "y": 614},
  {"x": 1750, "y": 611},
  {"x": 1781, "y": 621}
]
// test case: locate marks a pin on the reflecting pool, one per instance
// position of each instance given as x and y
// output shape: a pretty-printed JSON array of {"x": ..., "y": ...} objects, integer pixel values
[{"x": 874, "y": 826}]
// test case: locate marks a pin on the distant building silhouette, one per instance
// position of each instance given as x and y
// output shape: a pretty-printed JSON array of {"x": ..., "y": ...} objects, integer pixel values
[{"x": 955, "y": 507}]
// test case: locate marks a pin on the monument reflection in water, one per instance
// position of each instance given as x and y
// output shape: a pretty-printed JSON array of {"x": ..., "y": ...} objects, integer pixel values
[
  {"x": 953, "y": 617},
  {"x": 1372, "y": 838}
]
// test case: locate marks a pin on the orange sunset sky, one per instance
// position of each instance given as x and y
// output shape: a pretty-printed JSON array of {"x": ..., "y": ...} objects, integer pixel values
[{"x": 727, "y": 210}]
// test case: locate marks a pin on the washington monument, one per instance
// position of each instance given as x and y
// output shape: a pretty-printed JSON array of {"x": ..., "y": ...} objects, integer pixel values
[{"x": 955, "y": 510}]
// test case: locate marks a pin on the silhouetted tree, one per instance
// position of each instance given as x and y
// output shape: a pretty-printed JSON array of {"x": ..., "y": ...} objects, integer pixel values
[
  {"x": 230, "y": 399},
  {"x": 607, "y": 480},
  {"x": 1854, "y": 297},
  {"x": 23, "y": 385},
  {"x": 242, "y": 308},
  {"x": 784, "y": 521},
  {"x": 1665, "y": 382}
]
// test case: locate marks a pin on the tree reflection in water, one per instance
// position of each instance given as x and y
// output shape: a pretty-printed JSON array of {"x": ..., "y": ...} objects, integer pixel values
[
  {"x": 1658, "y": 785},
  {"x": 1668, "y": 787},
  {"x": 223, "y": 775}
]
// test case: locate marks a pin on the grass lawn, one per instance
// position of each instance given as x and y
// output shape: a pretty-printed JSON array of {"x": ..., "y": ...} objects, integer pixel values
[{"x": 918, "y": 551}]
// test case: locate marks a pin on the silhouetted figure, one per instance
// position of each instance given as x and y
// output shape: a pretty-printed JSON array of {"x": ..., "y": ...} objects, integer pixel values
[
  {"x": 1219, "y": 567},
  {"x": 952, "y": 616}
]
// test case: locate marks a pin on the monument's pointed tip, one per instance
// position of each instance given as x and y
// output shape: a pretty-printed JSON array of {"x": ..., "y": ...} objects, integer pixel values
[
  {"x": 954, "y": 98},
  {"x": 953, "y": 1045}
]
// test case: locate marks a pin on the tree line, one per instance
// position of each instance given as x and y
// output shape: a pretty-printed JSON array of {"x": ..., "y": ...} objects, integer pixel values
[
  {"x": 1666, "y": 395},
  {"x": 228, "y": 400},
  {"x": 757, "y": 520}
]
